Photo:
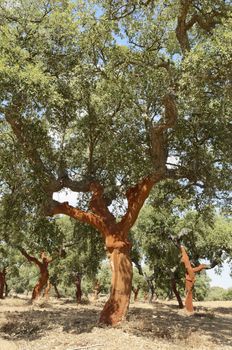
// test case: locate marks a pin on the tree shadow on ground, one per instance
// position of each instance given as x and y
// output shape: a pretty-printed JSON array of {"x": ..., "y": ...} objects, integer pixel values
[
  {"x": 32, "y": 324},
  {"x": 169, "y": 323}
]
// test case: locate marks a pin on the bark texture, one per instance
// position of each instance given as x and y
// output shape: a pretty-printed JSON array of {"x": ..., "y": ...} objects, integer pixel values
[{"x": 117, "y": 305}]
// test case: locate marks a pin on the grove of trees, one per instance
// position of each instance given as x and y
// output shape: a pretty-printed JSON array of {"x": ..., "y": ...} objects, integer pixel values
[{"x": 111, "y": 100}]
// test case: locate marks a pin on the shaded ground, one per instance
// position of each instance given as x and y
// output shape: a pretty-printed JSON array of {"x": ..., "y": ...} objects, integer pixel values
[{"x": 62, "y": 325}]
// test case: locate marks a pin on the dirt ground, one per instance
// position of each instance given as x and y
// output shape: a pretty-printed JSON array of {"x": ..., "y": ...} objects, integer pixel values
[{"x": 63, "y": 325}]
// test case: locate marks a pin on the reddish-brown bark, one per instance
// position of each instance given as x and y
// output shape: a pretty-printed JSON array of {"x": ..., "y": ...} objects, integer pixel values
[
  {"x": 2, "y": 282},
  {"x": 117, "y": 305},
  {"x": 190, "y": 278},
  {"x": 44, "y": 274},
  {"x": 136, "y": 292},
  {"x": 115, "y": 235}
]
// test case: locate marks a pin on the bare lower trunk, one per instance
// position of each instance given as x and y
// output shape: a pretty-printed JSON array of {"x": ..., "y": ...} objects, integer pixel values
[
  {"x": 56, "y": 291},
  {"x": 2, "y": 283},
  {"x": 189, "y": 284},
  {"x": 43, "y": 280},
  {"x": 97, "y": 289},
  {"x": 177, "y": 294},
  {"x": 117, "y": 305},
  {"x": 136, "y": 292},
  {"x": 78, "y": 289}
]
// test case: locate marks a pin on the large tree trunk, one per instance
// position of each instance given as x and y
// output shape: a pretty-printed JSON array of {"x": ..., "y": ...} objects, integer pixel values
[
  {"x": 117, "y": 305},
  {"x": 115, "y": 235},
  {"x": 2, "y": 282},
  {"x": 177, "y": 294}
]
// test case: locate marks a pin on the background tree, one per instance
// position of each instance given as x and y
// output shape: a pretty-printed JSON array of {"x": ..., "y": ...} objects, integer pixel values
[
  {"x": 84, "y": 253},
  {"x": 84, "y": 112},
  {"x": 156, "y": 226}
]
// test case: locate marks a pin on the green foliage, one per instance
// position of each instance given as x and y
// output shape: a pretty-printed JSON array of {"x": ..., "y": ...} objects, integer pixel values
[
  {"x": 201, "y": 287},
  {"x": 216, "y": 293},
  {"x": 103, "y": 277},
  {"x": 228, "y": 294},
  {"x": 82, "y": 87},
  {"x": 219, "y": 294}
]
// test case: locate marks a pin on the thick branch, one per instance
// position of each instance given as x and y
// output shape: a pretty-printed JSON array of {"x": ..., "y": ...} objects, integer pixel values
[
  {"x": 136, "y": 197},
  {"x": 158, "y": 133},
  {"x": 78, "y": 214},
  {"x": 182, "y": 27},
  {"x": 98, "y": 203},
  {"x": 29, "y": 257},
  {"x": 186, "y": 262},
  {"x": 201, "y": 267}
]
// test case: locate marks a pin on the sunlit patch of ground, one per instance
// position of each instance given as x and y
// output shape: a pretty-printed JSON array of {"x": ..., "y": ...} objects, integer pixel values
[{"x": 63, "y": 325}]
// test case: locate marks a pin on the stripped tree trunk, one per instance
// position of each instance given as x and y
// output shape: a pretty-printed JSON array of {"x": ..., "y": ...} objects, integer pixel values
[
  {"x": 44, "y": 275},
  {"x": 136, "y": 292},
  {"x": 190, "y": 278},
  {"x": 115, "y": 235},
  {"x": 117, "y": 305}
]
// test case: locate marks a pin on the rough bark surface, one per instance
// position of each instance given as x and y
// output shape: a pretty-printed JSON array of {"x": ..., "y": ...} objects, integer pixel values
[{"x": 117, "y": 305}]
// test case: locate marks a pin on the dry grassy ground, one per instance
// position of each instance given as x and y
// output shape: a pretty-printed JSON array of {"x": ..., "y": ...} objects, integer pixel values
[{"x": 62, "y": 325}]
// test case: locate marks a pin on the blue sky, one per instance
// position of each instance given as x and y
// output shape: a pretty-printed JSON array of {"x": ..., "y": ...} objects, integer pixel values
[{"x": 223, "y": 280}]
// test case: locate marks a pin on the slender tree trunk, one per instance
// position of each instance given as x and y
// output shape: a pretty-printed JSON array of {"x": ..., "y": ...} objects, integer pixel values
[
  {"x": 42, "y": 282},
  {"x": 177, "y": 294},
  {"x": 2, "y": 282},
  {"x": 78, "y": 288},
  {"x": 136, "y": 292},
  {"x": 47, "y": 289},
  {"x": 145, "y": 296},
  {"x": 97, "y": 289},
  {"x": 6, "y": 289},
  {"x": 56, "y": 291},
  {"x": 117, "y": 305}
]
